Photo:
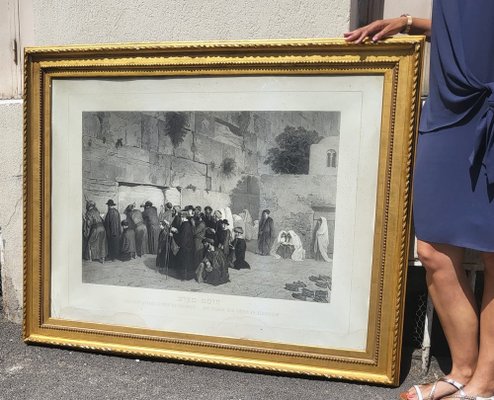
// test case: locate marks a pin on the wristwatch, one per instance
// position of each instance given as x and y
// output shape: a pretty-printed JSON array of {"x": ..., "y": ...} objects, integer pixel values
[{"x": 407, "y": 28}]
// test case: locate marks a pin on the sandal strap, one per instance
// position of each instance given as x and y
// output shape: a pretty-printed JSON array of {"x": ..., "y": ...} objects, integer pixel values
[
  {"x": 419, "y": 392},
  {"x": 433, "y": 390},
  {"x": 452, "y": 382},
  {"x": 456, "y": 384}
]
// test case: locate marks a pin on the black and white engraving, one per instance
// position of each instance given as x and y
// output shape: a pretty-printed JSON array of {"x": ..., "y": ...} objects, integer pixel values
[{"x": 239, "y": 203}]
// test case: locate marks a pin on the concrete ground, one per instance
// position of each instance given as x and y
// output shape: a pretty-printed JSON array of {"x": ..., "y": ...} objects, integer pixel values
[
  {"x": 266, "y": 278},
  {"x": 44, "y": 373}
]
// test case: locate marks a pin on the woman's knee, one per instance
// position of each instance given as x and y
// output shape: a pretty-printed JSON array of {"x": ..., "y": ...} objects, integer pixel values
[
  {"x": 427, "y": 254},
  {"x": 434, "y": 257}
]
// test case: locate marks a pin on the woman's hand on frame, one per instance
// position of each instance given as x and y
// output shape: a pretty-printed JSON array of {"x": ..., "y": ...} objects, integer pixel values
[{"x": 377, "y": 30}]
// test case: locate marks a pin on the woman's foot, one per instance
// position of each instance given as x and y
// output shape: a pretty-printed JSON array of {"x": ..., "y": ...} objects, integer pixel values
[{"x": 433, "y": 391}]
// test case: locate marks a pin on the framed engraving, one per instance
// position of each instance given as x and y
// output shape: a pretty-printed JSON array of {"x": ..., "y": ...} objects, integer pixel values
[{"x": 233, "y": 203}]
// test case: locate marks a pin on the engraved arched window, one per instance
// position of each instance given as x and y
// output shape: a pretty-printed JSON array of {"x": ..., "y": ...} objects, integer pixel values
[{"x": 331, "y": 158}]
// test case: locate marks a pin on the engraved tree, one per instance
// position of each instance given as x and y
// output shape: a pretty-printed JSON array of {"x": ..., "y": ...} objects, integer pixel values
[{"x": 292, "y": 154}]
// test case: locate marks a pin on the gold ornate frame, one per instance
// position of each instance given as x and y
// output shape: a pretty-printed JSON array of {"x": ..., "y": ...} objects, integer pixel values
[{"x": 398, "y": 60}]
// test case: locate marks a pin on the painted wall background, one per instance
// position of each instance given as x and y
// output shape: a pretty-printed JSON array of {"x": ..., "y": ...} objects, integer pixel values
[
  {"x": 11, "y": 206},
  {"x": 69, "y": 22}
]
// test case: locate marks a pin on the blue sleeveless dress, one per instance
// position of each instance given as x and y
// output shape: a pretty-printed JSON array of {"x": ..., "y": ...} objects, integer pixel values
[{"x": 454, "y": 170}]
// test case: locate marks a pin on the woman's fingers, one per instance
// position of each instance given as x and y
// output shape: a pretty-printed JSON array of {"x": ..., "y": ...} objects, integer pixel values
[
  {"x": 351, "y": 36},
  {"x": 385, "y": 32},
  {"x": 363, "y": 35},
  {"x": 376, "y": 30},
  {"x": 358, "y": 35}
]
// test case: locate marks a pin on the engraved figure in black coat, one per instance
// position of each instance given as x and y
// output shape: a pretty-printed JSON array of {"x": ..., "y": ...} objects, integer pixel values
[
  {"x": 265, "y": 234},
  {"x": 239, "y": 246},
  {"x": 112, "y": 227},
  {"x": 183, "y": 262},
  {"x": 150, "y": 216}
]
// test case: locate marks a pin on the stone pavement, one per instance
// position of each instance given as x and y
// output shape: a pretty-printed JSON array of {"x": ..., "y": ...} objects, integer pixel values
[
  {"x": 266, "y": 278},
  {"x": 45, "y": 373}
]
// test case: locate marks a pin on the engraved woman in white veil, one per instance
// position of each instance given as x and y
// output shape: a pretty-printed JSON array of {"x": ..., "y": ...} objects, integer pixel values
[
  {"x": 280, "y": 240},
  {"x": 298, "y": 252},
  {"x": 321, "y": 241},
  {"x": 244, "y": 221},
  {"x": 250, "y": 230}
]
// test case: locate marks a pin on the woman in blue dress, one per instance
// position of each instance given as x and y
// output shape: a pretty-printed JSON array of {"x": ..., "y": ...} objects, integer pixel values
[{"x": 454, "y": 184}]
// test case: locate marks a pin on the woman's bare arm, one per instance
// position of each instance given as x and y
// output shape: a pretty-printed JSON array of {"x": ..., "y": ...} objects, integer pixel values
[{"x": 384, "y": 28}]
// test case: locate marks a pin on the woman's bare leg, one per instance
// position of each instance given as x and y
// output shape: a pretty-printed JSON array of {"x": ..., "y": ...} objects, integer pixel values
[
  {"x": 482, "y": 382},
  {"x": 455, "y": 305}
]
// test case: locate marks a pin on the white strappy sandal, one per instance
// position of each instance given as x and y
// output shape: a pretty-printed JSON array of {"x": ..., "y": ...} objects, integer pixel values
[{"x": 452, "y": 382}]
